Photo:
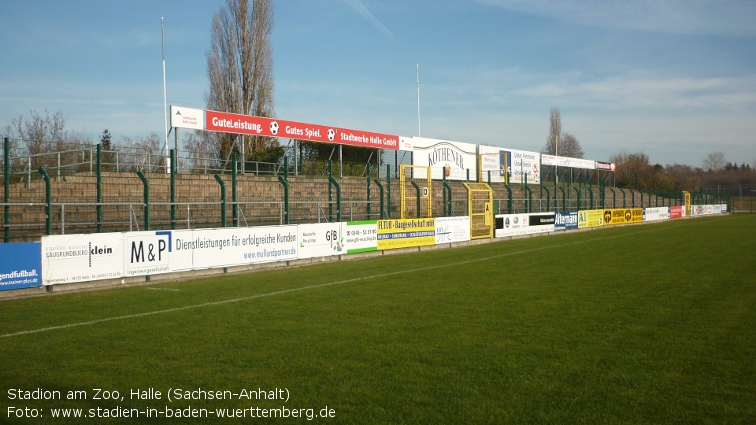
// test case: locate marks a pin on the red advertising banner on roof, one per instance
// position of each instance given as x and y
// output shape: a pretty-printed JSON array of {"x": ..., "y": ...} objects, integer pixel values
[{"x": 271, "y": 127}]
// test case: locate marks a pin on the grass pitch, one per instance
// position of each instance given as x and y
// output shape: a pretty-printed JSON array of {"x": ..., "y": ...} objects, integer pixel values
[{"x": 636, "y": 324}]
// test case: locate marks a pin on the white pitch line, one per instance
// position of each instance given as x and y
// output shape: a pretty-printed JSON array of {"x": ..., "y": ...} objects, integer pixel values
[{"x": 304, "y": 288}]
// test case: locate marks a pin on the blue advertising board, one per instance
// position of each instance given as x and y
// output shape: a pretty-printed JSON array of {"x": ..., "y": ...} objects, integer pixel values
[
  {"x": 20, "y": 265},
  {"x": 566, "y": 221}
]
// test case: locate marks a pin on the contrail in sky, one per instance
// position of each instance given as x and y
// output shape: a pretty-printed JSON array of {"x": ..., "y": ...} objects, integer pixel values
[{"x": 365, "y": 13}]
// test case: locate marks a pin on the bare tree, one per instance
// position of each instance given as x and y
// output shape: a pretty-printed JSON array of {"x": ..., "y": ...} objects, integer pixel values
[
  {"x": 141, "y": 153},
  {"x": 715, "y": 161},
  {"x": 559, "y": 143},
  {"x": 44, "y": 134},
  {"x": 569, "y": 146},
  {"x": 201, "y": 153},
  {"x": 555, "y": 130},
  {"x": 240, "y": 68}
]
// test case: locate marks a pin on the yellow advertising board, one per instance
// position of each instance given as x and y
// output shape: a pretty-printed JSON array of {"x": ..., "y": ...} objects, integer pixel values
[
  {"x": 623, "y": 216},
  {"x": 406, "y": 233},
  {"x": 590, "y": 218}
]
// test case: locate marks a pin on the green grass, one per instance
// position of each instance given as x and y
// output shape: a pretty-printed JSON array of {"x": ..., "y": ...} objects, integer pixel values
[{"x": 638, "y": 324}]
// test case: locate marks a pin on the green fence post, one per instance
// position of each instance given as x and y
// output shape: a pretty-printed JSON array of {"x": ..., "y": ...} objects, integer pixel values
[
  {"x": 577, "y": 208},
  {"x": 447, "y": 198},
  {"x": 99, "y": 188},
  {"x": 6, "y": 191},
  {"x": 367, "y": 210},
  {"x": 417, "y": 188},
  {"x": 564, "y": 199},
  {"x": 380, "y": 186},
  {"x": 614, "y": 197},
  {"x": 330, "y": 191},
  {"x": 223, "y": 199},
  {"x": 173, "y": 189},
  {"x": 146, "y": 199},
  {"x": 235, "y": 206},
  {"x": 444, "y": 193},
  {"x": 388, "y": 190},
  {"x": 332, "y": 182},
  {"x": 48, "y": 201},
  {"x": 548, "y": 198},
  {"x": 285, "y": 182}
]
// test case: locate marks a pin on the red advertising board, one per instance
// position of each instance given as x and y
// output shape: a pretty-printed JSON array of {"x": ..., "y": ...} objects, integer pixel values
[
  {"x": 676, "y": 212},
  {"x": 271, "y": 127}
]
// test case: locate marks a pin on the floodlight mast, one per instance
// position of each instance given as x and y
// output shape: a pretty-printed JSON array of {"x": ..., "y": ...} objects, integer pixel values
[
  {"x": 165, "y": 103},
  {"x": 556, "y": 167},
  {"x": 418, "y": 100}
]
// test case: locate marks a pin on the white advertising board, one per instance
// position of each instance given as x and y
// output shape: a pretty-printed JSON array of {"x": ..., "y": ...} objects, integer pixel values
[
  {"x": 496, "y": 161},
  {"x": 524, "y": 224},
  {"x": 154, "y": 252},
  {"x": 182, "y": 117},
  {"x": 563, "y": 161},
  {"x": 520, "y": 163},
  {"x": 454, "y": 158},
  {"x": 81, "y": 258},
  {"x": 240, "y": 245},
  {"x": 452, "y": 229},
  {"x": 320, "y": 240},
  {"x": 360, "y": 236},
  {"x": 654, "y": 214},
  {"x": 511, "y": 225}
]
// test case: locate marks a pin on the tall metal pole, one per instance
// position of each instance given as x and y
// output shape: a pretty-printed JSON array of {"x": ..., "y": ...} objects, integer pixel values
[
  {"x": 556, "y": 153},
  {"x": 418, "y": 101},
  {"x": 165, "y": 102},
  {"x": 6, "y": 189}
]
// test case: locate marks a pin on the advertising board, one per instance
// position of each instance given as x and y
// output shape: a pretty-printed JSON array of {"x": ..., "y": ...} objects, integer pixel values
[
  {"x": 563, "y": 161},
  {"x": 454, "y": 159},
  {"x": 494, "y": 161},
  {"x": 523, "y": 224},
  {"x": 520, "y": 163},
  {"x": 655, "y": 214},
  {"x": 81, "y": 258},
  {"x": 152, "y": 252},
  {"x": 273, "y": 127},
  {"x": 240, "y": 246},
  {"x": 321, "y": 240},
  {"x": 590, "y": 218},
  {"x": 361, "y": 236},
  {"x": 406, "y": 233},
  {"x": 452, "y": 229},
  {"x": 182, "y": 117},
  {"x": 677, "y": 211},
  {"x": 510, "y": 225},
  {"x": 21, "y": 265},
  {"x": 623, "y": 216},
  {"x": 565, "y": 220}
]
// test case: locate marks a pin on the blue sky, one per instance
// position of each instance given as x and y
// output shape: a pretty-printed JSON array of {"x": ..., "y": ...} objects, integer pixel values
[{"x": 674, "y": 79}]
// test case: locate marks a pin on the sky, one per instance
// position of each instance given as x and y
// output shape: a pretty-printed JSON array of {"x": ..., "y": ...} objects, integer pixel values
[{"x": 673, "y": 79}]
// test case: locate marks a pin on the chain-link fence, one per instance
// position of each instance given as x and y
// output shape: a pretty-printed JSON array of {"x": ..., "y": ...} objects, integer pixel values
[
  {"x": 92, "y": 190},
  {"x": 742, "y": 196}
]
